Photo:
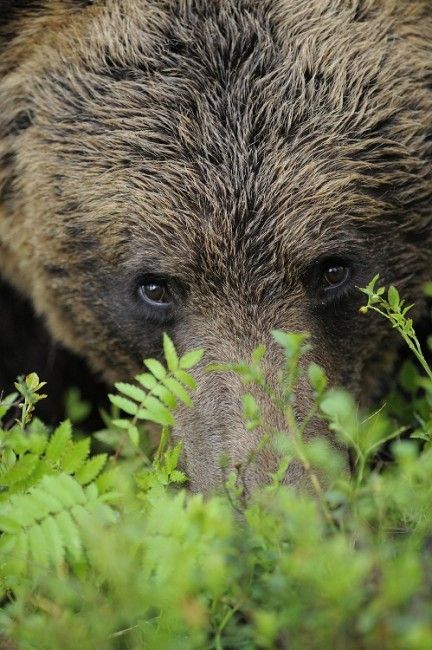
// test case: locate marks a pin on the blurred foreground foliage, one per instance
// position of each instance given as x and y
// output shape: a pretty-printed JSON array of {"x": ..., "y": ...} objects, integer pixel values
[{"x": 109, "y": 551}]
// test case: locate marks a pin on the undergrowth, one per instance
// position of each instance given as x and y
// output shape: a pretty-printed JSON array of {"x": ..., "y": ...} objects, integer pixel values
[{"x": 109, "y": 550}]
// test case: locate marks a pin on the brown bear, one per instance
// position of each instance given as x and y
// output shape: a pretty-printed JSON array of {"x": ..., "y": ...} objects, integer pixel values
[{"x": 216, "y": 169}]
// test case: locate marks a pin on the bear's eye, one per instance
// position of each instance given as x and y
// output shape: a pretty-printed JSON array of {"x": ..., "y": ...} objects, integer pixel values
[
  {"x": 335, "y": 275},
  {"x": 156, "y": 292}
]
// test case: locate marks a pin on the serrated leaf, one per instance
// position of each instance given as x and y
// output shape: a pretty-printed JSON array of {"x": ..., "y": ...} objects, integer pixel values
[
  {"x": 190, "y": 359},
  {"x": 54, "y": 540},
  {"x": 133, "y": 434},
  {"x": 44, "y": 502},
  {"x": 159, "y": 417},
  {"x": 147, "y": 380},
  {"x": 170, "y": 353},
  {"x": 65, "y": 488},
  {"x": 132, "y": 391},
  {"x": 15, "y": 549},
  {"x": 186, "y": 379},
  {"x": 76, "y": 456},
  {"x": 6, "y": 403},
  {"x": 124, "y": 404},
  {"x": 38, "y": 547},
  {"x": 91, "y": 469},
  {"x": 20, "y": 509},
  {"x": 177, "y": 476},
  {"x": 70, "y": 535},
  {"x": 156, "y": 368},
  {"x": 165, "y": 396},
  {"x": 107, "y": 480},
  {"x": 23, "y": 467},
  {"x": 177, "y": 389},
  {"x": 9, "y": 525},
  {"x": 58, "y": 442}
]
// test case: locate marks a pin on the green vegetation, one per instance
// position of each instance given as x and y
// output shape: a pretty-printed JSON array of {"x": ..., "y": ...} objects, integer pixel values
[{"x": 108, "y": 550}]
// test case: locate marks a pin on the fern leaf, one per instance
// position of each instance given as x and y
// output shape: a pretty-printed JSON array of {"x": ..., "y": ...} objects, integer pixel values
[
  {"x": 177, "y": 389},
  {"x": 58, "y": 443},
  {"x": 21, "y": 470},
  {"x": 14, "y": 551},
  {"x": 158, "y": 414},
  {"x": 70, "y": 535},
  {"x": 76, "y": 456},
  {"x": 91, "y": 469},
  {"x": 156, "y": 368},
  {"x": 131, "y": 391},
  {"x": 191, "y": 358},
  {"x": 186, "y": 379},
  {"x": 107, "y": 480},
  {"x": 147, "y": 380},
  {"x": 44, "y": 502},
  {"x": 6, "y": 403},
  {"x": 124, "y": 404},
  {"x": 38, "y": 547},
  {"x": 54, "y": 540},
  {"x": 165, "y": 395},
  {"x": 65, "y": 488},
  {"x": 170, "y": 353}
]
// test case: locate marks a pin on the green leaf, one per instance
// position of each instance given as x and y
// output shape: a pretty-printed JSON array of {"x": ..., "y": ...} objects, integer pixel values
[
  {"x": 292, "y": 342},
  {"x": 134, "y": 435},
  {"x": 91, "y": 469},
  {"x": 428, "y": 289},
  {"x": 70, "y": 535},
  {"x": 177, "y": 389},
  {"x": 317, "y": 377},
  {"x": 21, "y": 470},
  {"x": 6, "y": 403},
  {"x": 65, "y": 488},
  {"x": 76, "y": 408},
  {"x": 156, "y": 368},
  {"x": 147, "y": 380},
  {"x": 157, "y": 415},
  {"x": 53, "y": 540},
  {"x": 409, "y": 376},
  {"x": 393, "y": 297},
  {"x": 250, "y": 407},
  {"x": 190, "y": 359},
  {"x": 124, "y": 404},
  {"x": 170, "y": 353},
  {"x": 76, "y": 456},
  {"x": 165, "y": 396},
  {"x": 131, "y": 391},
  {"x": 38, "y": 547},
  {"x": 58, "y": 442},
  {"x": 186, "y": 379}
]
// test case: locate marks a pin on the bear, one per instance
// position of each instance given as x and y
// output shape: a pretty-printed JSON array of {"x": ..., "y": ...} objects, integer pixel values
[{"x": 216, "y": 169}]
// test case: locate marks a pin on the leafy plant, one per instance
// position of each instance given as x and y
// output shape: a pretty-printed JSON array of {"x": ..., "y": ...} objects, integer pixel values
[{"x": 108, "y": 551}]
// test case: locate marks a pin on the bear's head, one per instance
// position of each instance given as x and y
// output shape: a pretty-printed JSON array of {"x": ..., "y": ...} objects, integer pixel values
[{"x": 216, "y": 169}]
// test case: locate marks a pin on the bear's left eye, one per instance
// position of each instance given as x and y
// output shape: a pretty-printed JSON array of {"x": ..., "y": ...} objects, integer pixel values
[
  {"x": 156, "y": 292},
  {"x": 335, "y": 275}
]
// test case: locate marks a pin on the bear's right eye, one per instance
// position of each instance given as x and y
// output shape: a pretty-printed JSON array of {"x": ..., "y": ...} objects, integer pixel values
[{"x": 156, "y": 292}]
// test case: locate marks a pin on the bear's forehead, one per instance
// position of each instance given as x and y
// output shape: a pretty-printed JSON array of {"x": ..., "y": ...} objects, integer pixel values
[
  {"x": 229, "y": 131},
  {"x": 217, "y": 138}
]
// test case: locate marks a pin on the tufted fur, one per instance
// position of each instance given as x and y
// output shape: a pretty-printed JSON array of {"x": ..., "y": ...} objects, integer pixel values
[{"x": 229, "y": 144}]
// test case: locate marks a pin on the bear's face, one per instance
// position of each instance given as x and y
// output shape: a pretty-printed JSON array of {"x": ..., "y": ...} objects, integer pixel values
[{"x": 216, "y": 170}]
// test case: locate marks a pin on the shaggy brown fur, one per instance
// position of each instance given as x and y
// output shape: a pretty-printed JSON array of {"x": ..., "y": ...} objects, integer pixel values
[{"x": 233, "y": 147}]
